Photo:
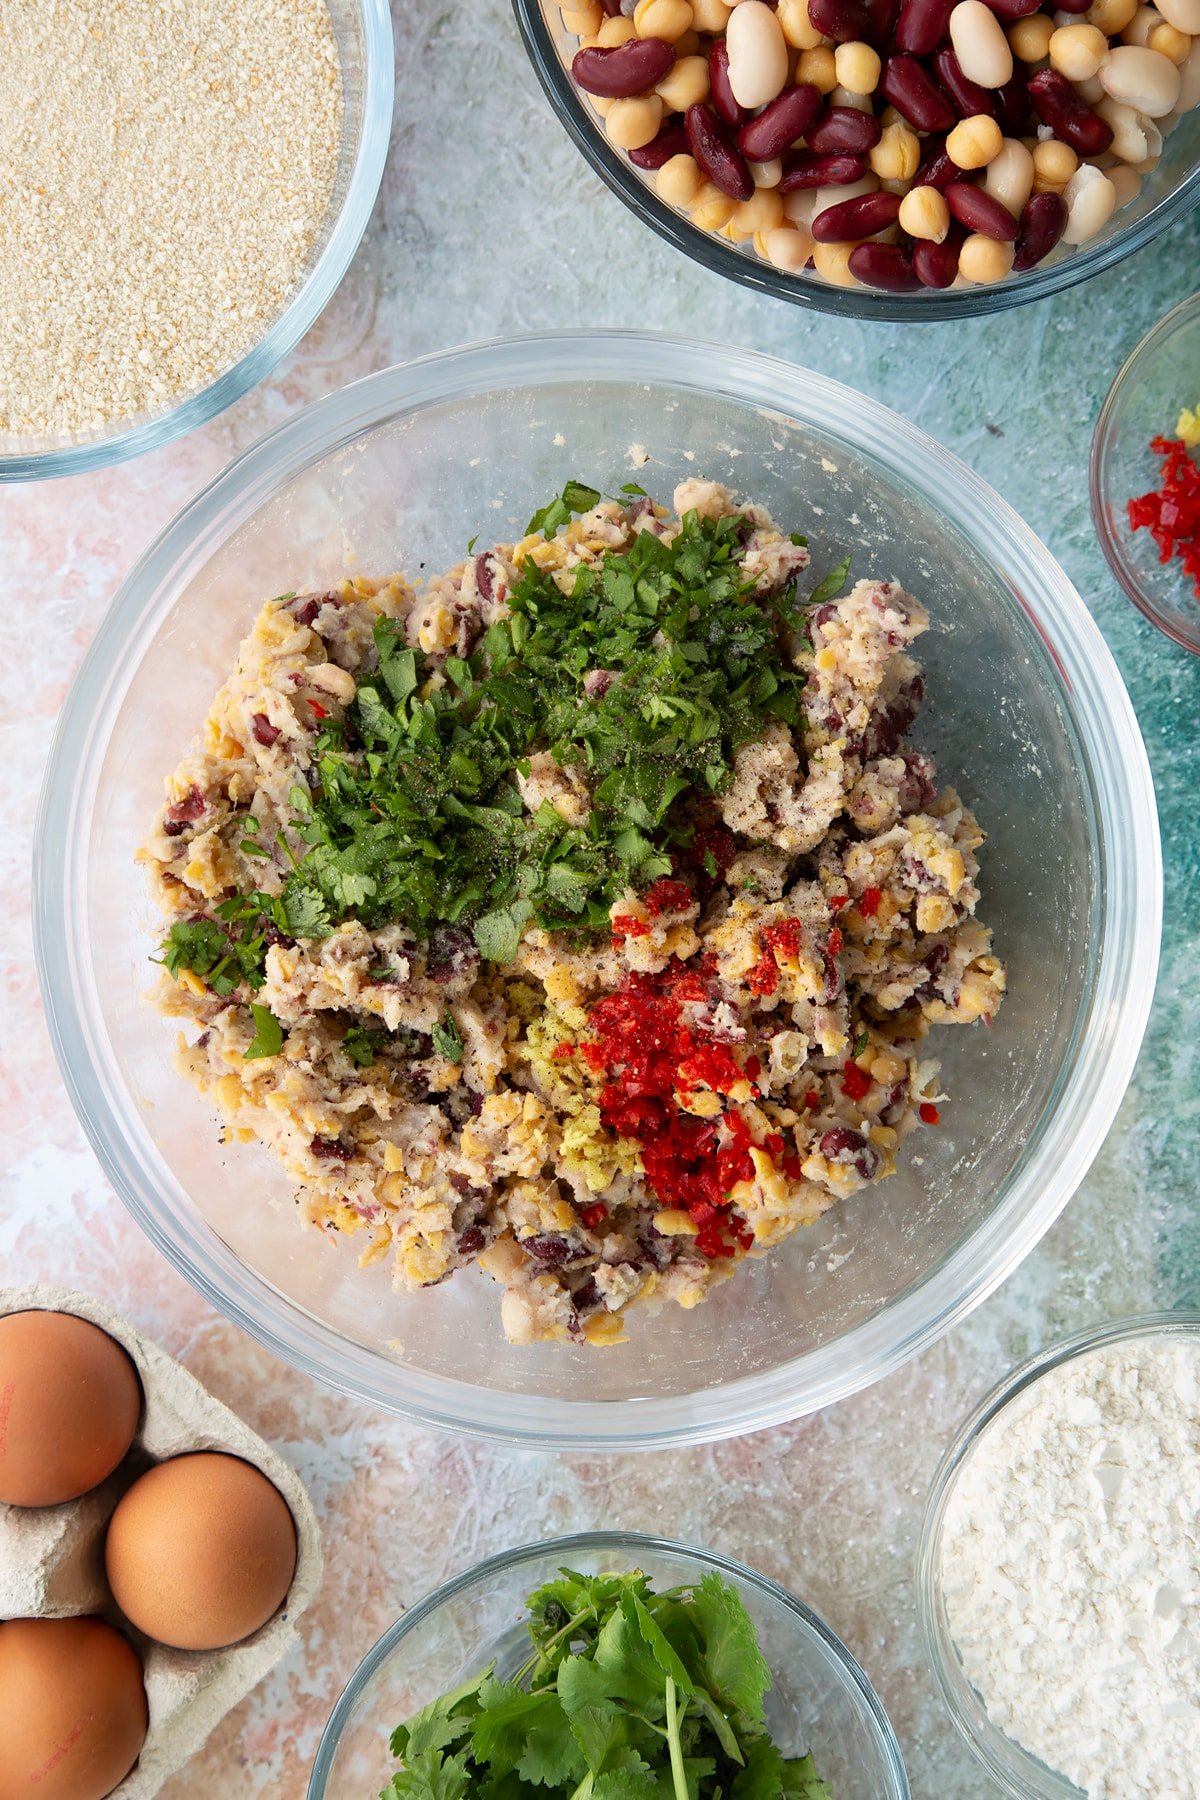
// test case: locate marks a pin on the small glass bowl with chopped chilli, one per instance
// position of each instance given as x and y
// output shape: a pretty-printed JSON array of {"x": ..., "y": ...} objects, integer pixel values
[
  {"x": 1028, "y": 716},
  {"x": 177, "y": 381},
  {"x": 1137, "y": 451},
  {"x": 820, "y": 1706}
]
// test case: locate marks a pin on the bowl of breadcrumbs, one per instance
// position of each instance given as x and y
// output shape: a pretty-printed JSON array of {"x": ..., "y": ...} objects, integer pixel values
[{"x": 182, "y": 186}]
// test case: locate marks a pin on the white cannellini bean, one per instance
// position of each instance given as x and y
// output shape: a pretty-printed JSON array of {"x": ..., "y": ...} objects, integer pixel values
[
  {"x": 1184, "y": 15},
  {"x": 980, "y": 44},
  {"x": 767, "y": 174},
  {"x": 1091, "y": 199},
  {"x": 833, "y": 196},
  {"x": 800, "y": 207},
  {"x": 1140, "y": 26},
  {"x": 1133, "y": 138},
  {"x": 1144, "y": 79},
  {"x": 1009, "y": 176},
  {"x": 758, "y": 54},
  {"x": 1090, "y": 90}
]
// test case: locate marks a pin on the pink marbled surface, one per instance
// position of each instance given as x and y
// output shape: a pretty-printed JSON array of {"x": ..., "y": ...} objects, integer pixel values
[{"x": 508, "y": 231}]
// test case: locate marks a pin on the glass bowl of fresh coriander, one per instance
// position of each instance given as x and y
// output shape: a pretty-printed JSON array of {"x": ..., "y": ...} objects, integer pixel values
[{"x": 609, "y": 1666}]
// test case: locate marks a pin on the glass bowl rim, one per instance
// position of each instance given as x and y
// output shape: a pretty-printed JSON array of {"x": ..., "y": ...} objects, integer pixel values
[
  {"x": 569, "y": 1545},
  {"x": 1073, "y": 658},
  {"x": 1103, "y": 438},
  {"x": 714, "y": 254},
  {"x": 298, "y": 316},
  {"x": 1024, "y": 1777}
]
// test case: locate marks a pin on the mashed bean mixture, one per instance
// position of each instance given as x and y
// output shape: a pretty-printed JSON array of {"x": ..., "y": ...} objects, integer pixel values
[{"x": 694, "y": 1019}]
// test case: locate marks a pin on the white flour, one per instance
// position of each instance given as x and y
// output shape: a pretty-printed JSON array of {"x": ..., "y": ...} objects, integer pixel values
[{"x": 1071, "y": 1570}]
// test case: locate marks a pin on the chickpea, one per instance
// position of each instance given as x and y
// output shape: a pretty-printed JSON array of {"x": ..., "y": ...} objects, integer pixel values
[
  {"x": 666, "y": 19},
  {"x": 679, "y": 181},
  {"x": 1054, "y": 163},
  {"x": 832, "y": 263},
  {"x": 1111, "y": 16},
  {"x": 1077, "y": 51},
  {"x": 797, "y": 27},
  {"x": 924, "y": 214},
  {"x": 1169, "y": 42},
  {"x": 984, "y": 260},
  {"x": 787, "y": 248},
  {"x": 584, "y": 23},
  {"x": 684, "y": 85},
  {"x": 762, "y": 212},
  {"x": 974, "y": 142},
  {"x": 858, "y": 67},
  {"x": 1138, "y": 30},
  {"x": 711, "y": 209},
  {"x": 615, "y": 31},
  {"x": 819, "y": 67},
  {"x": 897, "y": 155},
  {"x": 689, "y": 44},
  {"x": 632, "y": 123},
  {"x": 710, "y": 15},
  {"x": 1029, "y": 38}
]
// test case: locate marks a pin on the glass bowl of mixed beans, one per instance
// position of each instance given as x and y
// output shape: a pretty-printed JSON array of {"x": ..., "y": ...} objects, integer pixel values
[{"x": 885, "y": 158}]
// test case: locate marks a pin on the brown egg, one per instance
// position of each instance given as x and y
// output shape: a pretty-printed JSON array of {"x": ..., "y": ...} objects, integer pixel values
[
  {"x": 72, "y": 1709},
  {"x": 69, "y": 1405},
  {"x": 201, "y": 1551}
]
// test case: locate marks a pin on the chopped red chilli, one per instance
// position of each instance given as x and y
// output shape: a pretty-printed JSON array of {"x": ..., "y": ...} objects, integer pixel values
[
  {"x": 868, "y": 902},
  {"x": 929, "y": 1113},
  {"x": 1171, "y": 512},
  {"x": 856, "y": 1083}
]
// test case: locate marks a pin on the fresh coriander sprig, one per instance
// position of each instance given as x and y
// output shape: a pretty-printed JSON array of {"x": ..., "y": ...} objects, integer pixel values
[{"x": 629, "y": 1695}]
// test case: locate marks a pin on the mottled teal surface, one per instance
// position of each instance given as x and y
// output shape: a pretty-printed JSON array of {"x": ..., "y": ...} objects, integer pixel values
[{"x": 490, "y": 223}]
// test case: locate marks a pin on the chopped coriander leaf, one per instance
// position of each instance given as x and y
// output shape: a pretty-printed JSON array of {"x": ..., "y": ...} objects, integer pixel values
[
  {"x": 575, "y": 498},
  {"x": 362, "y": 1043},
  {"x": 413, "y": 812},
  {"x": 631, "y": 487},
  {"x": 447, "y": 1039},
  {"x": 830, "y": 586},
  {"x": 268, "y": 1034},
  {"x": 630, "y": 1694}
]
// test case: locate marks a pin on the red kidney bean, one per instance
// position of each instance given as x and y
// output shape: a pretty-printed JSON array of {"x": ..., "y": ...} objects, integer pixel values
[
  {"x": 924, "y": 24},
  {"x": 861, "y": 217},
  {"x": 845, "y": 130},
  {"x": 1013, "y": 102},
  {"x": 882, "y": 15},
  {"x": 884, "y": 266},
  {"x": 1057, "y": 104},
  {"x": 1043, "y": 222},
  {"x": 718, "y": 81},
  {"x": 625, "y": 70},
  {"x": 808, "y": 170},
  {"x": 911, "y": 89},
  {"x": 715, "y": 154},
  {"x": 845, "y": 21},
  {"x": 937, "y": 168},
  {"x": 1012, "y": 10},
  {"x": 780, "y": 123},
  {"x": 671, "y": 141},
  {"x": 936, "y": 265},
  {"x": 980, "y": 211},
  {"x": 966, "y": 94}
]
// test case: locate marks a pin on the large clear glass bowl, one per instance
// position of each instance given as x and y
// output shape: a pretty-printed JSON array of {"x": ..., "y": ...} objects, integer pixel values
[
  {"x": 1160, "y": 375},
  {"x": 363, "y": 29},
  {"x": 1027, "y": 715},
  {"x": 1018, "y": 1773},
  {"x": 821, "y": 1702},
  {"x": 1168, "y": 194}
]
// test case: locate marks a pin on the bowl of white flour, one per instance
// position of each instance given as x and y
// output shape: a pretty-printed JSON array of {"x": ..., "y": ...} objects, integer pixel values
[{"x": 1059, "y": 1571}]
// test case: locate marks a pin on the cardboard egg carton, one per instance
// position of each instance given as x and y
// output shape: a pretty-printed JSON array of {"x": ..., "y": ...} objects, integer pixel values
[{"x": 52, "y": 1558}]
